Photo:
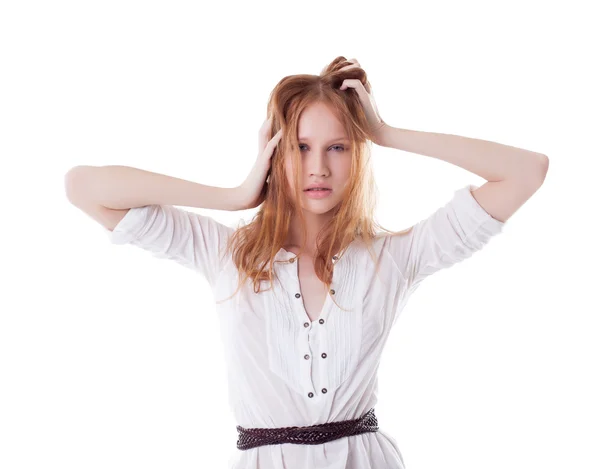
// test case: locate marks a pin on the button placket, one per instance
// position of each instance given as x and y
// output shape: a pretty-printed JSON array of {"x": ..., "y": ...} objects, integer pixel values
[
  {"x": 323, "y": 364},
  {"x": 322, "y": 339},
  {"x": 307, "y": 359},
  {"x": 308, "y": 363},
  {"x": 287, "y": 336},
  {"x": 307, "y": 356},
  {"x": 313, "y": 338}
]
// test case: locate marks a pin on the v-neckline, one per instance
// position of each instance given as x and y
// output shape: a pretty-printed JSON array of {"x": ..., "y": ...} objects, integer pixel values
[
  {"x": 296, "y": 276},
  {"x": 303, "y": 306}
]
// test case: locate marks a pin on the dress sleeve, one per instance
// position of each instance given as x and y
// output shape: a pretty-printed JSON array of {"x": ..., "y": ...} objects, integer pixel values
[
  {"x": 193, "y": 240},
  {"x": 449, "y": 235}
]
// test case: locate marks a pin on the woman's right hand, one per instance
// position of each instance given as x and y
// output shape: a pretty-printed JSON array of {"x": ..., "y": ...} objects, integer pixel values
[{"x": 253, "y": 190}]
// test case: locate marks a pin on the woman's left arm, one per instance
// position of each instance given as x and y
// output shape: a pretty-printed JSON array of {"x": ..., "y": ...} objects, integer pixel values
[
  {"x": 513, "y": 174},
  {"x": 492, "y": 161}
]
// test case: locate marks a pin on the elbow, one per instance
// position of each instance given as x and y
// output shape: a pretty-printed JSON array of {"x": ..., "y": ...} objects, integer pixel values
[
  {"x": 543, "y": 168},
  {"x": 534, "y": 172},
  {"x": 73, "y": 181}
]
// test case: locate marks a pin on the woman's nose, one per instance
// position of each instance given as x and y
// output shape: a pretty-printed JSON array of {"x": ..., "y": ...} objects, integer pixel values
[{"x": 317, "y": 164}]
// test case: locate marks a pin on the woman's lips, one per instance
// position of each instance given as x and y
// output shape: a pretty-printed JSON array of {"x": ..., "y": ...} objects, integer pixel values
[{"x": 318, "y": 194}]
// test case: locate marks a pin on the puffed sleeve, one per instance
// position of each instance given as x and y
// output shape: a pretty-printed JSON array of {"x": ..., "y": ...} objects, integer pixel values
[
  {"x": 449, "y": 235},
  {"x": 193, "y": 240}
]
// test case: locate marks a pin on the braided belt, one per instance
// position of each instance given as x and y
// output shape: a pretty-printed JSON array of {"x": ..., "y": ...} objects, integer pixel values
[{"x": 311, "y": 435}]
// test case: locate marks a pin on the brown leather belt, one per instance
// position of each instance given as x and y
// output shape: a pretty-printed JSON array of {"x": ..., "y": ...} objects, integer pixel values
[{"x": 311, "y": 435}]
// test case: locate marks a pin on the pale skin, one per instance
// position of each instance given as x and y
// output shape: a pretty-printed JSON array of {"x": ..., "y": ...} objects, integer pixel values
[{"x": 326, "y": 159}]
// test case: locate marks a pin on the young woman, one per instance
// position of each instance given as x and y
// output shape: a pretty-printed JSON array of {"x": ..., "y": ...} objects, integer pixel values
[{"x": 308, "y": 291}]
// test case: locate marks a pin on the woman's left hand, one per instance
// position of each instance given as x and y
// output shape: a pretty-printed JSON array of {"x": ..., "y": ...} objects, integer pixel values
[{"x": 378, "y": 126}]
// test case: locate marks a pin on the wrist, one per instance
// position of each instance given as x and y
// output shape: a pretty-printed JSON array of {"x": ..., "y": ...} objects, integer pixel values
[
  {"x": 383, "y": 135},
  {"x": 238, "y": 198}
]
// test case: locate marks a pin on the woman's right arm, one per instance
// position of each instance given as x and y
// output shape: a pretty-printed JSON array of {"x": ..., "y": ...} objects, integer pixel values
[
  {"x": 137, "y": 207},
  {"x": 124, "y": 187}
]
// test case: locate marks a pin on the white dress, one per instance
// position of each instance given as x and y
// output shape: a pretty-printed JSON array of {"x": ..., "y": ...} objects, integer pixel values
[{"x": 286, "y": 370}]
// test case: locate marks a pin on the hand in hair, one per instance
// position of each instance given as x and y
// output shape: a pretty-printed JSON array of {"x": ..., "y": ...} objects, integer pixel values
[
  {"x": 253, "y": 190},
  {"x": 376, "y": 123}
]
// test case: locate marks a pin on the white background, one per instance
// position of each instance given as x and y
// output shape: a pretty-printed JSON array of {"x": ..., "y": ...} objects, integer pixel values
[{"x": 110, "y": 358}]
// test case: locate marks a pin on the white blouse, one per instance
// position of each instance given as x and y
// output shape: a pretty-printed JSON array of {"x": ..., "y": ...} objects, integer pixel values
[{"x": 286, "y": 370}]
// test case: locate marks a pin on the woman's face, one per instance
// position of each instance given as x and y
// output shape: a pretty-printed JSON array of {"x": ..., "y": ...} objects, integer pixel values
[{"x": 325, "y": 158}]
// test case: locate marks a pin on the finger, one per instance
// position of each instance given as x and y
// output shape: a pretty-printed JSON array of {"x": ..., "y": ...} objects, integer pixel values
[
  {"x": 270, "y": 146},
  {"x": 266, "y": 123},
  {"x": 349, "y": 66},
  {"x": 277, "y": 136},
  {"x": 364, "y": 97},
  {"x": 263, "y": 133},
  {"x": 353, "y": 83}
]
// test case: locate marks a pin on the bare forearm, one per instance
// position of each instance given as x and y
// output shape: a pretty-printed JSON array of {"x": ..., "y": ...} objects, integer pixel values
[
  {"x": 492, "y": 161},
  {"x": 120, "y": 187}
]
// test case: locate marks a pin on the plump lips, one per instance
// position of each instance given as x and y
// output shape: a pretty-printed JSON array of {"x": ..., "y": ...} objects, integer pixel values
[
  {"x": 317, "y": 185},
  {"x": 317, "y": 194}
]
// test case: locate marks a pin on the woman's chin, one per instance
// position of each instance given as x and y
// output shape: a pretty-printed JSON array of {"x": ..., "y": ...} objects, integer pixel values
[{"x": 318, "y": 207}]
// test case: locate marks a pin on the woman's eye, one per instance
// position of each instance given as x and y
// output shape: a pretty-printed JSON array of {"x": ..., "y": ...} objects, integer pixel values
[{"x": 341, "y": 148}]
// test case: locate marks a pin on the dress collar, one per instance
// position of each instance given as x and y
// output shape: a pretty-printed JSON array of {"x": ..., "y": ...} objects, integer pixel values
[{"x": 284, "y": 255}]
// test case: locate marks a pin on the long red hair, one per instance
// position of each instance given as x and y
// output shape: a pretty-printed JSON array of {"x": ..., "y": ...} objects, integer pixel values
[{"x": 254, "y": 245}]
